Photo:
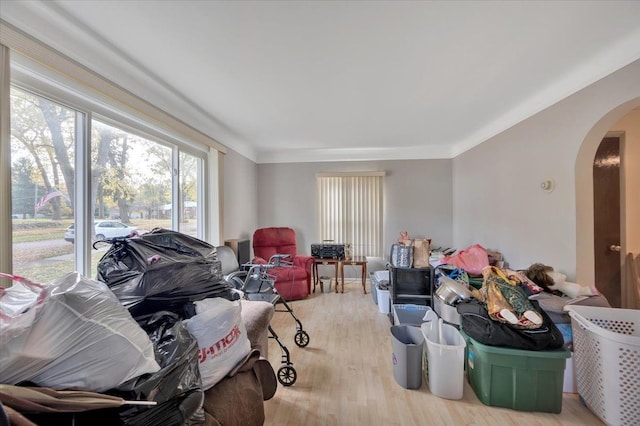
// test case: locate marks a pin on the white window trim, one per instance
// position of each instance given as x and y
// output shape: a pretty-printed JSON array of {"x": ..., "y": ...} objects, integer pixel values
[
  {"x": 46, "y": 72},
  {"x": 6, "y": 248}
]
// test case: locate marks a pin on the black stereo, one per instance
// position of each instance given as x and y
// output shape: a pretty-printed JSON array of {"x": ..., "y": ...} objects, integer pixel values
[{"x": 327, "y": 251}]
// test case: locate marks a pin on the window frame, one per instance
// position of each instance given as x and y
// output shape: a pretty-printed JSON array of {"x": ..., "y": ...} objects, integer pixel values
[{"x": 27, "y": 75}]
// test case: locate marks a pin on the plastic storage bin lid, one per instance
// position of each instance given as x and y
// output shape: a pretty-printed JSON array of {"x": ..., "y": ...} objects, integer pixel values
[{"x": 500, "y": 350}]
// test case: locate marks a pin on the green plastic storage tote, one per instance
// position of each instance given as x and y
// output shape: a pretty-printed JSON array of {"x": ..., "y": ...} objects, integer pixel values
[{"x": 517, "y": 379}]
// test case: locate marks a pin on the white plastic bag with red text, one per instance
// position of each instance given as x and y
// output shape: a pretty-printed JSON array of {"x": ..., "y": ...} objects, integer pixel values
[{"x": 222, "y": 338}]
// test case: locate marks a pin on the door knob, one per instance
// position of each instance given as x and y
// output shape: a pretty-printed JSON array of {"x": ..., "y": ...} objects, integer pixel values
[{"x": 614, "y": 248}]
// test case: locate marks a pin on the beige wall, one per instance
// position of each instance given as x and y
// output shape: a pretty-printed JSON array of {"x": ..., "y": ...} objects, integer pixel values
[
  {"x": 417, "y": 197},
  {"x": 240, "y": 197},
  {"x": 489, "y": 195},
  {"x": 497, "y": 197}
]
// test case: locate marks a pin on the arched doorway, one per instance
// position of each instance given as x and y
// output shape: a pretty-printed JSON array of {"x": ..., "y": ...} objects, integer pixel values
[{"x": 625, "y": 121}]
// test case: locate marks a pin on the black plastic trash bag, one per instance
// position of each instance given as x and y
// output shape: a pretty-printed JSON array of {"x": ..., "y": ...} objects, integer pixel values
[
  {"x": 162, "y": 270},
  {"x": 177, "y": 387}
]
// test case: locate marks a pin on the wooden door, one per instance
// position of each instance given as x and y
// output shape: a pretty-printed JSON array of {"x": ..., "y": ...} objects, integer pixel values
[{"x": 606, "y": 215}]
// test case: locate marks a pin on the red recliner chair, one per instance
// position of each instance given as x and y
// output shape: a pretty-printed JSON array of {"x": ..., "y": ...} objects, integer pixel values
[{"x": 292, "y": 283}]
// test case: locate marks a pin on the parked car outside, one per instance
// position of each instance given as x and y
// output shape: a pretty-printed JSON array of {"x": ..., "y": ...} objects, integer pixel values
[{"x": 104, "y": 229}]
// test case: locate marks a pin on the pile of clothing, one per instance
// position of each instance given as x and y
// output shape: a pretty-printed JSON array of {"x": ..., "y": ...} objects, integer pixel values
[{"x": 519, "y": 309}]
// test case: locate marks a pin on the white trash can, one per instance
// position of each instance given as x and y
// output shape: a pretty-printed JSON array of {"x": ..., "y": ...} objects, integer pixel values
[
  {"x": 374, "y": 290},
  {"x": 444, "y": 359},
  {"x": 325, "y": 284},
  {"x": 384, "y": 306},
  {"x": 376, "y": 278}
]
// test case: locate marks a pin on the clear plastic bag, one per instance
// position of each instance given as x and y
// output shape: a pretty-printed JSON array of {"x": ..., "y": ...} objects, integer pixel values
[{"x": 72, "y": 333}]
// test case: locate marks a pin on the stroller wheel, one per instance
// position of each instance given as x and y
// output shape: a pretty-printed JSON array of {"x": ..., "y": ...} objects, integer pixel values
[
  {"x": 287, "y": 375},
  {"x": 301, "y": 338}
]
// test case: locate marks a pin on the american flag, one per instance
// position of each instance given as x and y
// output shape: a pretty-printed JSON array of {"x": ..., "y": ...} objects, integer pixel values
[{"x": 48, "y": 196}]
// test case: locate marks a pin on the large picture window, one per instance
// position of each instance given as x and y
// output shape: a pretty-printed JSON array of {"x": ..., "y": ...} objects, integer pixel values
[
  {"x": 42, "y": 186},
  {"x": 132, "y": 187},
  {"x": 87, "y": 160},
  {"x": 134, "y": 182}
]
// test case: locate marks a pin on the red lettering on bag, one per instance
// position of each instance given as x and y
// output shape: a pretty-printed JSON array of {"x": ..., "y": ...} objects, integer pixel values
[{"x": 221, "y": 345}]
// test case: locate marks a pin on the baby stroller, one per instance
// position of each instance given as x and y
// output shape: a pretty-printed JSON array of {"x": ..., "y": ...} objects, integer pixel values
[{"x": 257, "y": 284}]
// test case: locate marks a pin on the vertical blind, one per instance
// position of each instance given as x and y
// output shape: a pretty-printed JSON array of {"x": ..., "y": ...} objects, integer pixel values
[{"x": 351, "y": 211}]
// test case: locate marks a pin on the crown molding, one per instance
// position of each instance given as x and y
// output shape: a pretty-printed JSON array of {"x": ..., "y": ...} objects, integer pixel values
[{"x": 425, "y": 152}]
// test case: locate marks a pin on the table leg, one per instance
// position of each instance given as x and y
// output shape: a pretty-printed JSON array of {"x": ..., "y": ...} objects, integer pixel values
[
  {"x": 364, "y": 278},
  {"x": 336, "y": 266},
  {"x": 314, "y": 272},
  {"x": 342, "y": 275}
]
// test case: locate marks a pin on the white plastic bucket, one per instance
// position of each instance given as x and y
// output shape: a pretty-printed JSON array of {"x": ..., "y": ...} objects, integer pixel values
[
  {"x": 383, "y": 301},
  {"x": 444, "y": 359},
  {"x": 569, "y": 380},
  {"x": 378, "y": 277}
]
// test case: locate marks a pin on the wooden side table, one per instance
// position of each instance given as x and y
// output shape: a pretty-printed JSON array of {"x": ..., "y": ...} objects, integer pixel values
[
  {"x": 314, "y": 272},
  {"x": 355, "y": 261}
]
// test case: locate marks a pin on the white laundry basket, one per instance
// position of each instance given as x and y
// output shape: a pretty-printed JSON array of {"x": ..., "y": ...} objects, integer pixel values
[{"x": 607, "y": 361}]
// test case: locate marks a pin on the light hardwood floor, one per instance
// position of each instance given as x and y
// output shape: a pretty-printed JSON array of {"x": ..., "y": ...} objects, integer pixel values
[{"x": 345, "y": 375}]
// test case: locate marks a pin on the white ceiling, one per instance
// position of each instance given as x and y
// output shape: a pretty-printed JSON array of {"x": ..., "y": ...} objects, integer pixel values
[{"x": 282, "y": 81}]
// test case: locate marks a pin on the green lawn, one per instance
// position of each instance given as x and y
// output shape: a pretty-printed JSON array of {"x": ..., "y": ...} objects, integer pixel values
[
  {"x": 25, "y": 230},
  {"x": 45, "y": 264}
]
